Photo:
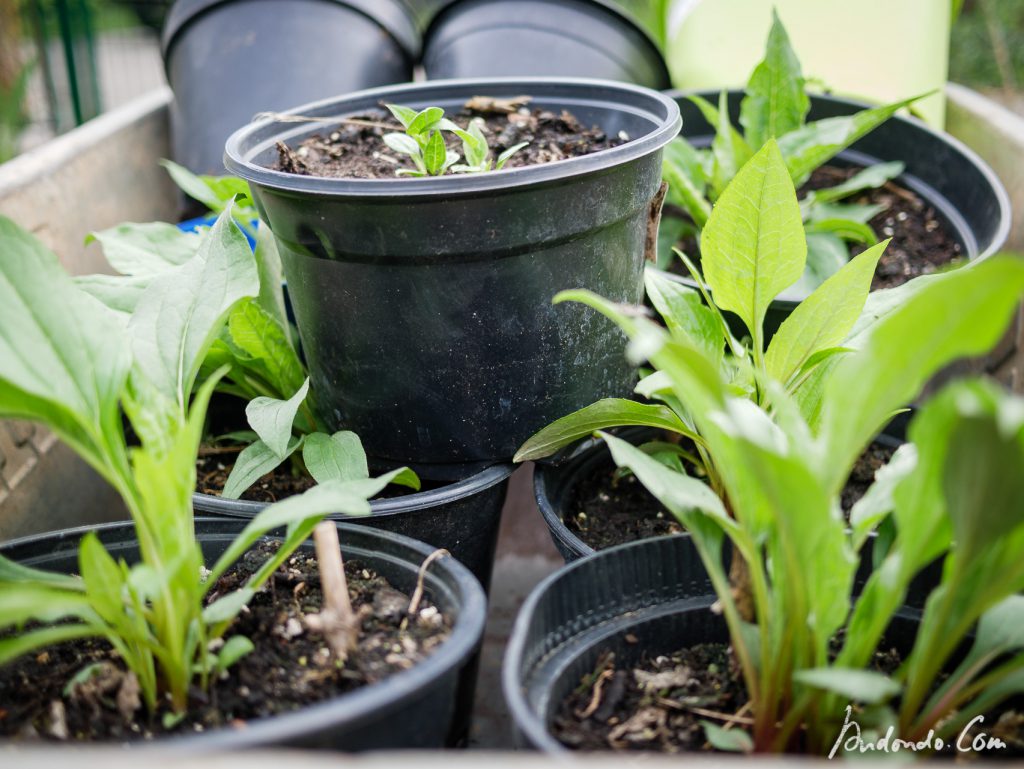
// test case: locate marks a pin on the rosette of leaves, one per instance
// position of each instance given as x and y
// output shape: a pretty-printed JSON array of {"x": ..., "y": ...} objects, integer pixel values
[
  {"x": 772, "y": 437},
  {"x": 87, "y": 372},
  {"x": 775, "y": 106}
]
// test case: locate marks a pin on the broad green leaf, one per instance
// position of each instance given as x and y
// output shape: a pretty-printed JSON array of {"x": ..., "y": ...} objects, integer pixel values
[
  {"x": 194, "y": 186},
  {"x": 827, "y": 254},
  {"x": 259, "y": 335},
  {"x": 104, "y": 582},
  {"x": 606, "y": 413},
  {"x": 825, "y": 318},
  {"x": 272, "y": 419},
  {"x": 227, "y": 606},
  {"x": 685, "y": 313},
  {"x": 425, "y": 120},
  {"x": 753, "y": 245},
  {"x": 865, "y": 686},
  {"x": 118, "y": 292},
  {"x": 338, "y": 457},
  {"x": 180, "y": 313},
  {"x": 64, "y": 357},
  {"x": 146, "y": 249},
  {"x": 729, "y": 150},
  {"x": 234, "y": 649},
  {"x": 254, "y": 461},
  {"x": 814, "y": 144},
  {"x": 870, "y": 178},
  {"x": 402, "y": 143},
  {"x": 435, "y": 154},
  {"x": 404, "y": 115},
  {"x": 729, "y": 740},
  {"x": 775, "y": 102},
  {"x": 909, "y": 343}
]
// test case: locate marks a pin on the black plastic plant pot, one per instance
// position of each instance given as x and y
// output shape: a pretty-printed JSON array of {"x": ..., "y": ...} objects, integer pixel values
[
  {"x": 424, "y": 305},
  {"x": 965, "y": 193},
  {"x": 574, "y": 38},
  {"x": 555, "y": 483},
  {"x": 657, "y": 592},
  {"x": 415, "y": 708},
  {"x": 462, "y": 517},
  {"x": 226, "y": 60}
]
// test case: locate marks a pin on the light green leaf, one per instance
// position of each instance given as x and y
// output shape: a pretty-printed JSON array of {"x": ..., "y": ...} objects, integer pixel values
[
  {"x": 272, "y": 419},
  {"x": 268, "y": 265},
  {"x": 425, "y": 120},
  {"x": 435, "y": 154},
  {"x": 402, "y": 143},
  {"x": 194, "y": 186},
  {"x": 404, "y": 115},
  {"x": 234, "y": 649},
  {"x": 814, "y": 144},
  {"x": 775, "y": 102},
  {"x": 146, "y": 249},
  {"x": 683, "y": 170},
  {"x": 609, "y": 412},
  {"x": 728, "y": 148},
  {"x": 685, "y": 314},
  {"x": 26, "y": 601},
  {"x": 870, "y": 178},
  {"x": 254, "y": 461},
  {"x": 338, "y": 457},
  {"x": 180, "y": 313},
  {"x": 865, "y": 686},
  {"x": 226, "y": 608},
  {"x": 825, "y": 318},
  {"x": 103, "y": 579},
  {"x": 504, "y": 157},
  {"x": 118, "y": 292},
  {"x": 847, "y": 229},
  {"x": 728, "y": 740},
  {"x": 259, "y": 335},
  {"x": 753, "y": 245},
  {"x": 16, "y": 646},
  {"x": 878, "y": 502}
]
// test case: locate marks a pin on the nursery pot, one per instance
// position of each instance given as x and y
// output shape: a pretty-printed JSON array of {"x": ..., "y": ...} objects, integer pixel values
[
  {"x": 424, "y": 305},
  {"x": 226, "y": 60},
  {"x": 555, "y": 482},
  {"x": 657, "y": 592},
  {"x": 421, "y": 700},
  {"x": 965, "y": 193},
  {"x": 462, "y": 517},
  {"x": 571, "y": 38}
]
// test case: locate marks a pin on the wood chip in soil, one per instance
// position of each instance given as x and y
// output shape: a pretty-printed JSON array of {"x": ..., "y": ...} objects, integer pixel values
[
  {"x": 922, "y": 241},
  {"x": 609, "y": 509},
  {"x": 292, "y": 666},
  {"x": 356, "y": 150}
]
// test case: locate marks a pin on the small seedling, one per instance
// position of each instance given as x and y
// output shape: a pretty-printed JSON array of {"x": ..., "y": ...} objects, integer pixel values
[{"x": 477, "y": 152}]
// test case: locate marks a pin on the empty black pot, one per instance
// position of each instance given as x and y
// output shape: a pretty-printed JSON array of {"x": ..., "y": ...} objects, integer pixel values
[
  {"x": 462, "y": 517},
  {"x": 657, "y": 592},
  {"x": 965, "y": 193},
  {"x": 424, "y": 305},
  {"x": 227, "y": 60},
  {"x": 555, "y": 483},
  {"x": 575, "y": 38},
  {"x": 415, "y": 708}
]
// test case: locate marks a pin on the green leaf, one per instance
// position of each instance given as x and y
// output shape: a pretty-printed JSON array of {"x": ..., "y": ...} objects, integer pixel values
[
  {"x": 180, "y": 313},
  {"x": 26, "y": 601},
  {"x": 16, "y": 646},
  {"x": 865, "y": 686},
  {"x": 827, "y": 254},
  {"x": 12, "y": 571},
  {"x": 259, "y": 335},
  {"x": 504, "y": 157},
  {"x": 118, "y": 292},
  {"x": 435, "y": 154},
  {"x": 338, "y": 457},
  {"x": 870, "y": 178},
  {"x": 272, "y": 419},
  {"x": 609, "y": 412},
  {"x": 682, "y": 169},
  {"x": 103, "y": 579},
  {"x": 879, "y": 501},
  {"x": 425, "y": 120},
  {"x": 234, "y": 649},
  {"x": 194, "y": 186},
  {"x": 64, "y": 357},
  {"x": 226, "y": 608},
  {"x": 254, "y": 461},
  {"x": 825, "y": 318},
  {"x": 268, "y": 265},
  {"x": 728, "y": 740},
  {"x": 847, "y": 229},
  {"x": 753, "y": 245},
  {"x": 887, "y": 372},
  {"x": 404, "y": 115},
  {"x": 814, "y": 144},
  {"x": 775, "y": 102},
  {"x": 402, "y": 143},
  {"x": 728, "y": 148},
  {"x": 146, "y": 249},
  {"x": 685, "y": 314}
]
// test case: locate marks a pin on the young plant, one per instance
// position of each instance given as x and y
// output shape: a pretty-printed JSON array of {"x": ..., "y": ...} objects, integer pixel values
[
  {"x": 775, "y": 434},
  {"x": 775, "y": 106},
  {"x": 423, "y": 141},
  {"x": 72, "y": 364}
]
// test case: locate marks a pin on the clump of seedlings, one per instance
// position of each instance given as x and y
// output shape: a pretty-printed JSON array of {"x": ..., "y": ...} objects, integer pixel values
[
  {"x": 775, "y": 106},
  {"x": 775, "y": 432},
  {"x": 128, "y": 389}
]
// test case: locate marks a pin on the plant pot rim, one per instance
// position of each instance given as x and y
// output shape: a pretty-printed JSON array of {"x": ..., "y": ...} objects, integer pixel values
[
  {"x": 381, "y": 508},
  {"x": 1005, "y": 210},
  {"x": 391, "y": 15},
  {"x": 261, "y": 135},
  {"x": 359, "y": 704}
]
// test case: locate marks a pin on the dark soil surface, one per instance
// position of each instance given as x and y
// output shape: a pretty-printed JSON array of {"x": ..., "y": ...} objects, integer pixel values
[
  {"x": 292, "y": 666},
  {"x": 659, "y": 704},
  {"x": 610, "y": 510},
  {"x": 355, "y": 149},
  {"x": 922, "y": 242}
]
